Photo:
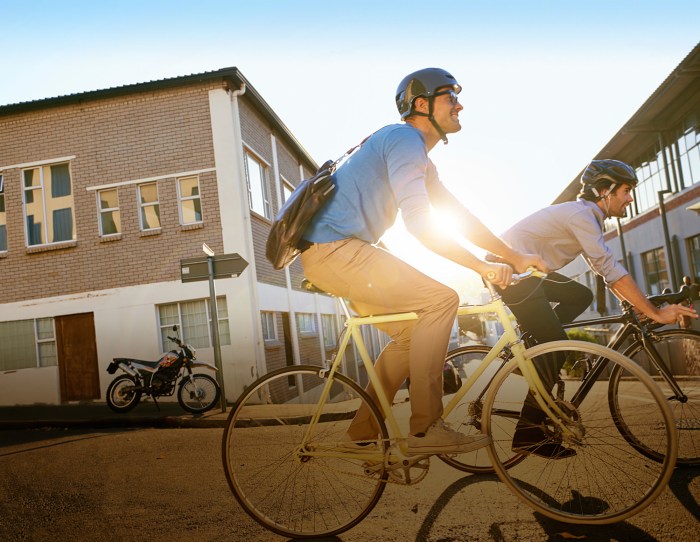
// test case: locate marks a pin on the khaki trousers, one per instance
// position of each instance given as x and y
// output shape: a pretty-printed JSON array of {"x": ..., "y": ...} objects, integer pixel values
[{"x": 378, "y": 282}]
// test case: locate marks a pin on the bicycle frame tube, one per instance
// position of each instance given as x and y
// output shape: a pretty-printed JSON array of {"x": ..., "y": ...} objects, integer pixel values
[
  {"x": 527, "y": 367},
  {"x": 352, "y": 329}
]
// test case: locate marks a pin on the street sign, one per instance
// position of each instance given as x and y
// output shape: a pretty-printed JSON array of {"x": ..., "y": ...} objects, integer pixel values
[{"x": 225, "y": 266}]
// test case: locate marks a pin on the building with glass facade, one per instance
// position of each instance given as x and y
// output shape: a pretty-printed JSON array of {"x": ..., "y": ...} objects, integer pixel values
[{"x": 659, "y": 240}]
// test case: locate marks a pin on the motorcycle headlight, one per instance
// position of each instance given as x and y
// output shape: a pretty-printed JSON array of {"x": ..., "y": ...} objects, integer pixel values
[{"x": 192, "y": 350}]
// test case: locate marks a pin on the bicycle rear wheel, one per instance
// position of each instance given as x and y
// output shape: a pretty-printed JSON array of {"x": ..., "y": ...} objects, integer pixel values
[
  {"x": 466, "y": 417},
  {"x": 296, "y": 488},
  {"x": 679, "y": 350},
  {"x": 607, "y": 480}
]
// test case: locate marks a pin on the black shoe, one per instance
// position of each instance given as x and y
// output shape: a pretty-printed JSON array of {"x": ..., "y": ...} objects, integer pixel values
[{"x": 534, "y": 440}]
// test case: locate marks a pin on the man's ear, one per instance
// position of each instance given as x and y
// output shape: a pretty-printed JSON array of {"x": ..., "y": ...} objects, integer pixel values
[{"x": 421, "y": 105}]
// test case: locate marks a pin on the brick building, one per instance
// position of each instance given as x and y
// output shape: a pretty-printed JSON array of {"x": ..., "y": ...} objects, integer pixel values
[{"x": 102, "y": 193}]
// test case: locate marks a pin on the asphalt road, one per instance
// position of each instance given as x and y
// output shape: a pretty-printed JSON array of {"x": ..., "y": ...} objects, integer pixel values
[{"x": 168, "y": 485}]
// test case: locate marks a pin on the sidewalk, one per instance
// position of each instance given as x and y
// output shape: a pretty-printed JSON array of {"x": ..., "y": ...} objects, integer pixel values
[{"x": 99, "y": 415}]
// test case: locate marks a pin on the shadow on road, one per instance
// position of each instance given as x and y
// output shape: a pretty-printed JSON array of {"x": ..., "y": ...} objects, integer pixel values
[{"x": 557, "y": 531}]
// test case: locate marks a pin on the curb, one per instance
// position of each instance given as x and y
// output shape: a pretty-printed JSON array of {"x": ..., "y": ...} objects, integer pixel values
[{"x": 162, "y": 422}]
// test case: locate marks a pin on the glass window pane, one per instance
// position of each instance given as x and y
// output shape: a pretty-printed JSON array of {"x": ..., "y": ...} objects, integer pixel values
[
  {"x": 44, "y": 328},
  {"x": 189, "y": 187},
  {"x": 47, "y": 354},
  {"x": 150, "y": 217},
  {"x": 17, "y": 345},
  {"x": 191, "y": 211},
  {"x": 148, "y": 193},
  {"x": 108, "y": 199},
  {"x": 195, "y": 324}
]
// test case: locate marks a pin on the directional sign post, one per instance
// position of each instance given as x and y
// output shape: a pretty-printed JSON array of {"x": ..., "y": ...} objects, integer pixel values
[{"x": 212, "y": 267}]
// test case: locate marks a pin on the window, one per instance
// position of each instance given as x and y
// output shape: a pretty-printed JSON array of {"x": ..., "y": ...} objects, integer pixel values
[
  {"x": 287, "y": 190},
  {"x": 269, "y": 326},
  {"x": 193, "y": 322},
  {"x": 189, "y": 200},
  {"x": 3, "y": 217},
  {"x": 110, "y": 221},
  {"x": 330, "y": 333},
  {"x": 258, "y": 193},
  {"x": 48, "y": 204},
  {"x": 654, "y": 264},
  {"x": 27, "y": 344},
  {"x": 693, "y": 244},
  {"x": 149, "y": 215},
  {"x": 306, "y": 323}
]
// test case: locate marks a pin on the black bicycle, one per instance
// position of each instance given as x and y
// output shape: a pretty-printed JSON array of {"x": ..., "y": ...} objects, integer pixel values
[{"x": 670, "y": 355}]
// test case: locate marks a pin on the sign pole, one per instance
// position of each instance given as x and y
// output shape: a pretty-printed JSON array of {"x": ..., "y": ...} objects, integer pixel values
[
  {"x": 213, "y": 267},
  {"x": 214, "y": 325}
]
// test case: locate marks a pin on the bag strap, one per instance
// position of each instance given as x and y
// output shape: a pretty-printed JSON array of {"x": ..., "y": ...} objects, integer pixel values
[{"x": 350, "y": 151}]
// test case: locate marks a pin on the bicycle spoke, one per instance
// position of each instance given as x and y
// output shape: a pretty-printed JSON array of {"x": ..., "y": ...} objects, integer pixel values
[
  {"x": 292, "y": 487},
  {"x": 607, "y": 479}
]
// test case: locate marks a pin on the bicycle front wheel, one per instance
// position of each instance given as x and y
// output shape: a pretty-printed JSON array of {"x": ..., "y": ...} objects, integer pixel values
[
  {"x": 295, "y": 477},
  {"x": 466, "y": 417},
  {"x": 679, "y": 352},
  {"x": 607, "y": 480}
]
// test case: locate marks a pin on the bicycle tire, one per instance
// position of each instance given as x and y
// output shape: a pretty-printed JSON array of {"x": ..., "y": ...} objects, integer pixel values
[
  {"x": 466, "y": 417},
  {"x": 607, "y": 480},
  {"x": 679, "y": 349},
  {"x": 285, "y": 488}
]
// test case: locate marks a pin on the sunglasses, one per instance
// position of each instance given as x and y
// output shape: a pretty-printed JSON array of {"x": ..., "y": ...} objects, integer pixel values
[{"x": 454, "y": 99}]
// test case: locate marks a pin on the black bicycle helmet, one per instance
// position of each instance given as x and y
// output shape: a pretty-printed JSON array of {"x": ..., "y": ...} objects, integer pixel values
[
  {"x": 424, "y": 83},
  {"x": 600, "y": 173}
]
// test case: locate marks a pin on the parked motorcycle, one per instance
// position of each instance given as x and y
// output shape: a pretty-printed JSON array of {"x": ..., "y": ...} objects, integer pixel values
[{"x": 196, "y": 392}]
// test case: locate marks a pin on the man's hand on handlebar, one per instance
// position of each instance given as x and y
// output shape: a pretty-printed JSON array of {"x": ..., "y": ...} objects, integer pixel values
[
  {"x": 527, "y": 261},
  {"x": 499, "y": 274},
  {"x": 671, "y": 314}
]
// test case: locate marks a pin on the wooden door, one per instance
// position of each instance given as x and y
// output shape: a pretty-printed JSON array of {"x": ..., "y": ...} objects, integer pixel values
[{"x": 77, "y": 357}]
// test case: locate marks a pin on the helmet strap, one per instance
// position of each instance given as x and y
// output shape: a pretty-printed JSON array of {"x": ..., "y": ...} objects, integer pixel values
[{"x": 432, "y": 120}]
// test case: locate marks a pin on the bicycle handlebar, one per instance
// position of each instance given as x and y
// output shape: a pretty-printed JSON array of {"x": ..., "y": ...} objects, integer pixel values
[
  {"x": 517, "y": 277},
  {"x": 686, "y": 293}
]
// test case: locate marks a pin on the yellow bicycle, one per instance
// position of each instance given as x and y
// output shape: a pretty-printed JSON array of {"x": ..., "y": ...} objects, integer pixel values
[{"x": 290, "y": 466}]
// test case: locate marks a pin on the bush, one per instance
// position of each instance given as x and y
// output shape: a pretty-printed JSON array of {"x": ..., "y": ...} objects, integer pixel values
[{"x": 571, "y": 366}]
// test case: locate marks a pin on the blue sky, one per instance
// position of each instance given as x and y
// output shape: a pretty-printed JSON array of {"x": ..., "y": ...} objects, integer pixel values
[{"x": 546, "y": 83}]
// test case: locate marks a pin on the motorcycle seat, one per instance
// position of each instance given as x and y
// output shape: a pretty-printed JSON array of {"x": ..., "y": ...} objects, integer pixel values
[{"x": 151, "y": 364}]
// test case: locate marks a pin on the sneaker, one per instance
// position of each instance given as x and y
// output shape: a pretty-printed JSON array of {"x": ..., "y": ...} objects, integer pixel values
[
  {"x": 535, "y": 441},
  {"x": 440, "y": 438},
  {"x": 364, "y": 445}
]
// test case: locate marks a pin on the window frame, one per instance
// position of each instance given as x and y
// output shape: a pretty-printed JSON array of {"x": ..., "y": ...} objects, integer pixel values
[
  {"x": 330, "y": 331},
  {"x": 302, "y": 321},
  {"x": 101, "y": 211},
  {"x": 40, "y": 357},
  {"x": 268, "y": 320},
  {"x": 264, "y": 185},
  {"x": 660, "y": 273},
  {"x": 181, "y": 199},
  {"x": 3, "y": 215},
  {"x": 222, "y": 320},
  {"x": 46, "y": 234},
  {"x": 693, "y": 256},
  {"x": 141, "y": 205}
]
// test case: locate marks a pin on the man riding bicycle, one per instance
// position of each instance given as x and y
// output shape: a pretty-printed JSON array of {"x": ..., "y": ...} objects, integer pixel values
[
  {"x": 560, "y": 233},
  {"x": 391, "y": 171}
]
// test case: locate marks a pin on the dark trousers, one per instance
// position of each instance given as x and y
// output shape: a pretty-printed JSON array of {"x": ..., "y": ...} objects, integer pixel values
[{"x": 531, "y": 303}]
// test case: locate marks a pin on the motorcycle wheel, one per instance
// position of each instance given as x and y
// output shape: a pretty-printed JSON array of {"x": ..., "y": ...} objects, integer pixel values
[
  {"x": 198, "y": 393},
  {"x": 122, "y": 395}
]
